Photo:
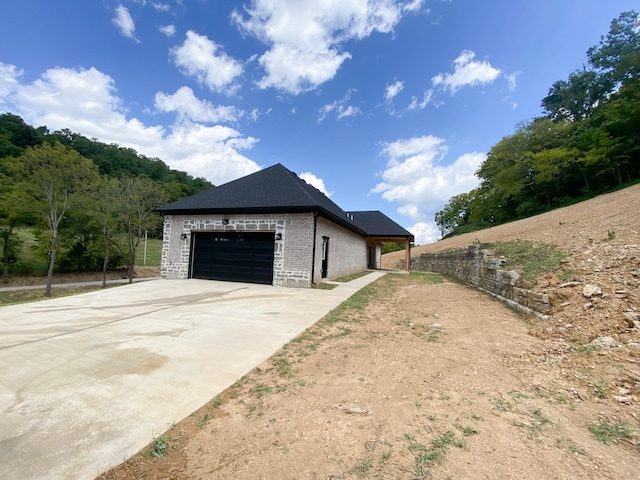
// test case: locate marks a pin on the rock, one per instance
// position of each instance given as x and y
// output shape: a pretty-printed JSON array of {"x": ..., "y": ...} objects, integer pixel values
[
  {"x": 604, "y": 342},
  {"x": 588, "y": 305},
  {"x": 569, "y": 284},
  {"x": 626, "y": 400},
  {"x": 590, "y": 290},
  {"x": 633, "y": 319},
  {"x": 356, "y": 410}
]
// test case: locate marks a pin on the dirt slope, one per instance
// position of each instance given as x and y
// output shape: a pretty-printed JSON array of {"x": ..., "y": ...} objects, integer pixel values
[{"x": 436, "y": 380}]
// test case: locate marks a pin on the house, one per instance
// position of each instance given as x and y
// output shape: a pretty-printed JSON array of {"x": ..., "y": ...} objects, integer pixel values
[{"x": 271, "y": 227}]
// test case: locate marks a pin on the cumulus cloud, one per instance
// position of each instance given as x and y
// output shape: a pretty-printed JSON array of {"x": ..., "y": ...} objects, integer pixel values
[
  {"x": 311, "y": 179},
  {"x": 85, "y": 101},
  {"x": 305, "y": 37},
  {"x": 392, "y": 90},
  {"x": 467, "y": 72},
  {"x": 124, "y": 22},
  {"x": 424, "y": 233},
  {"x": 188, "y": 106},
  {"x": 340, "y": 108},
  {"x": 417, "y": 178},
  {"x": 204, "y": 60},
  {"x": 168, "y": 30}
]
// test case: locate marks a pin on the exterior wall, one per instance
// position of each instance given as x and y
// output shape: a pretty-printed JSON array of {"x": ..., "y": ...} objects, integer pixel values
[
  {"x": 347, "y": 251},
  {"x": 290, "y": 269}
]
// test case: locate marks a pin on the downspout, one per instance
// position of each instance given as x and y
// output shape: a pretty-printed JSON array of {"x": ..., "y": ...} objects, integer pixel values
[{"x": 313, "y": 256}]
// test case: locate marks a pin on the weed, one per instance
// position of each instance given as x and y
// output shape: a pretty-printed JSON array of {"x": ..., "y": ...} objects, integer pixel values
[
  {"x": 586, "y": 349},
  {"x": 444, "y": 440},
  {"x": 204, "y": 420},
  {"x": 362, "y": 469},
  {"x": 566, "y": 275},
  {"x": 445, "y": 396},
  {"x": 261, "y": 390},
  {"x": 217, "y": 401},
  {"x": 466, "y": 431},
  {"x": 418, "y": 404},
  {"x": 428, "y": 459},
  {"x": 503, "y": 406},
  {"x": 158, "y": 446},
  {"x": 477, "y": 417},
  {"x": 284, "y": 367},
  {"x": 611, "y": 234},
  {"x": 607, "y": 433},
  {"x": 600, "y": 390},
  {"x": 569, "y": 445},
  {"x": 538, "y": 421}
]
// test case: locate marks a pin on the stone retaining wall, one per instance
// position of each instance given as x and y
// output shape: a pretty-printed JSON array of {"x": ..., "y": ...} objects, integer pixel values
[{"x": 481, "y": 269}]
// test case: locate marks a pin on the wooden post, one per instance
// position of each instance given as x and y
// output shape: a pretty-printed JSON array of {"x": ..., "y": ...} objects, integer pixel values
[{"x": 407, "y": 259}]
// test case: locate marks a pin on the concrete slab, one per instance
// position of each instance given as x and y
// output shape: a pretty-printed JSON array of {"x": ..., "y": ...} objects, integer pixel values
[{"x": 87, "y": 381}]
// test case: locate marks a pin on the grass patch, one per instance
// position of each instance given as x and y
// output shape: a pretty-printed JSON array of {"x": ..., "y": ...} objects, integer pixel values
[
  {"x": 324, "y": 286},
  {"x": 538, "y": 421},
  {"x": 353, "y": 276},
  {"x": 159, "y": 446},
  {"x": 348, "y": 310},
  {"x": 154, "y": 253},
  {"x": 15, "y": 297},
  {"x": 610, "y": 433},
  {"x": 530, "y": 260},
  {"x": 206, "y": 418},
  {"x": 261, "y": 390}
]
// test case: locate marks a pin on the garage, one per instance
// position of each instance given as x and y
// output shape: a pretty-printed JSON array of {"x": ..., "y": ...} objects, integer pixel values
[{"x": 233, "y": 256}]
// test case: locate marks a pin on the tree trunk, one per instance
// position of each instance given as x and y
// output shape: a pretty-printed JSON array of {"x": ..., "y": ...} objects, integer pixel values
[
  {"x": 106, "y": 261},
  {"x": 52, "y": 262}
]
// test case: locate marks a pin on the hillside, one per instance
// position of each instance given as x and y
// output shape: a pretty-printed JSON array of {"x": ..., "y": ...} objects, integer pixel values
[{"x": 601, "y": 237}]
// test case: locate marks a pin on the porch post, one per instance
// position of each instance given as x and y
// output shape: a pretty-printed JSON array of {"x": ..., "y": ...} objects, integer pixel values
[{"x": 407, "y": 259}]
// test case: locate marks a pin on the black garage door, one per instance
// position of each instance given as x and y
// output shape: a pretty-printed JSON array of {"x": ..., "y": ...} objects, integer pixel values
[{"x": 233, "y": 257}]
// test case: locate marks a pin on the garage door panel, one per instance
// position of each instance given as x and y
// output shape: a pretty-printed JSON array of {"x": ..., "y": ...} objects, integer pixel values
[{"x": 239, "y": 257}]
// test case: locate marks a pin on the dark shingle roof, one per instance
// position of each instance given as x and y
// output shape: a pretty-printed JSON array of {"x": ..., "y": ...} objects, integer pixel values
[
  {"x": 377, "y": 224},
  {"x": 278, "y": 190}
]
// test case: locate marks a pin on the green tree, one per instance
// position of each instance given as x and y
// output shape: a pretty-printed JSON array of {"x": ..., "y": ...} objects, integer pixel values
[
  {"x": 454, "y": 214},
  {"x": 106, "y": 198},
  {"x": 140, "y": 197},
  {"x": 617, "y": 56},
  {"x": 57, "y": 178}
]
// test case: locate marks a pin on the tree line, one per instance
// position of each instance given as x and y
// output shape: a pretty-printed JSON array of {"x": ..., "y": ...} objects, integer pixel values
[
  {"x": 585, "y": 142},
  {"x": 90, "y": 204}
]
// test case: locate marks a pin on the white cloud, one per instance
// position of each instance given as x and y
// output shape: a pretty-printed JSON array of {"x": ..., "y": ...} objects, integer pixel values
[
  {"x": 311, "y": 179},
  {"x": 85, "y": 102},
  {"x": 305, "y": 37},
  {"x": 418, "y": 180},
  {"x": 124, "y": 22},
  {"x": 392, "y": 90},
  {"x": 467, "y": 72},
  {"x": 424, "y": 233},
  {"x": 161, "y": 7},
  {"x": 203, "y": 59},
  {"x": 340, "y": 108},
  {"x": 188, "y": 106},
  {"x": 168, "y": 30},
  {"x": 512, "y": 80}
]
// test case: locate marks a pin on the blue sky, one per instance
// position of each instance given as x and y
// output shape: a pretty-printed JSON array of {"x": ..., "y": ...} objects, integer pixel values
[{"x": 385, "y": 105}]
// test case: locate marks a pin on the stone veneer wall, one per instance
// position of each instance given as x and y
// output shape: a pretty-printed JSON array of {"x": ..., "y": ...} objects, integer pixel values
[
  {"x": 481, "y": 269},
  {"x": 292, "y": 270}
]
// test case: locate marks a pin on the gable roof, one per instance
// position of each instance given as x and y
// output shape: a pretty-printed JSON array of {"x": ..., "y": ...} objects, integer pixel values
[{"x": 278, "y": 190}]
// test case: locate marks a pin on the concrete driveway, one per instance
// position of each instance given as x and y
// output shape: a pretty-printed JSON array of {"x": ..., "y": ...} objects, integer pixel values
[{"x": 87, "y": 381}]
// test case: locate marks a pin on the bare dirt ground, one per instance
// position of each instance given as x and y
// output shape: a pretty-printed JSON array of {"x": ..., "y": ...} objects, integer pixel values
[{"x": 414, "y": 379}]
